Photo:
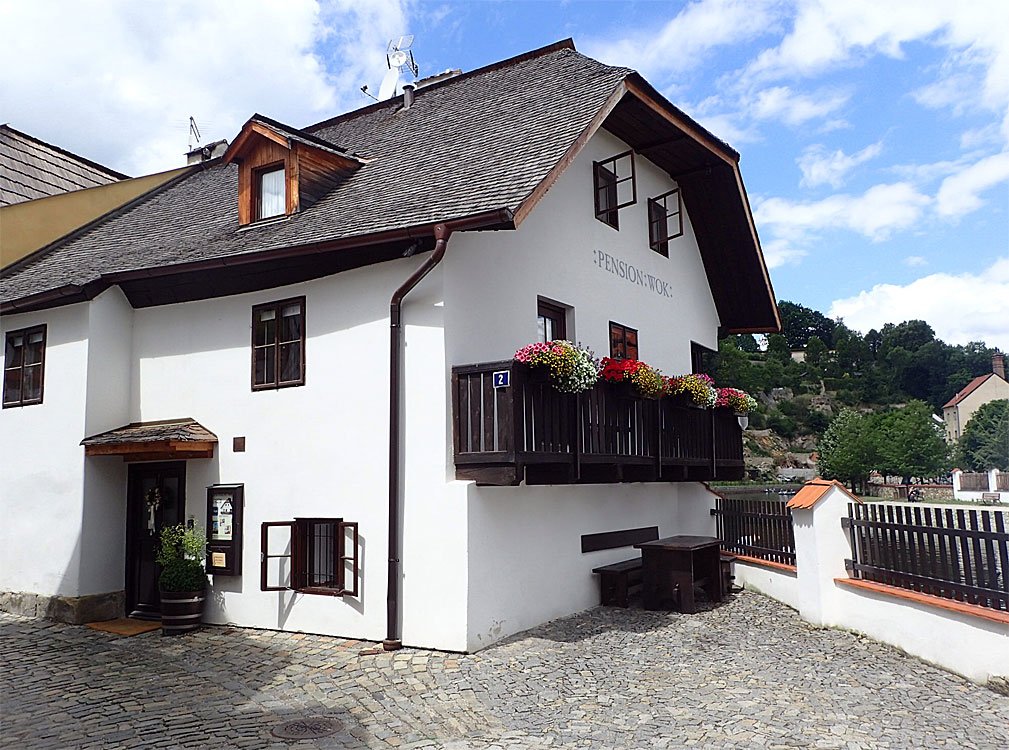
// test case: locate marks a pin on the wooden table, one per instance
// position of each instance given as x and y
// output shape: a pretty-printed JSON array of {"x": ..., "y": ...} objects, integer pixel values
[{"x": 671, "y": 567}]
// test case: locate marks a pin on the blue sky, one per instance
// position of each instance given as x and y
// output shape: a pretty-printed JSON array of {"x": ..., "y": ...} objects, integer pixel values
[{"x": 874, "y": 135}]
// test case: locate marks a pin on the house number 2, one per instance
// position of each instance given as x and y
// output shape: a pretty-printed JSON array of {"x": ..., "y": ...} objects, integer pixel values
[{"x": 501, "y": 378}]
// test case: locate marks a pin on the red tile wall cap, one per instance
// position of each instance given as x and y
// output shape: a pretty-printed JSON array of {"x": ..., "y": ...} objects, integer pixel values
[{"x": 815, "y": 489}]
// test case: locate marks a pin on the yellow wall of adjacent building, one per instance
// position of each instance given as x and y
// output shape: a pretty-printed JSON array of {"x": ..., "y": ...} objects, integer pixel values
[{"x": 31, "y": 225}]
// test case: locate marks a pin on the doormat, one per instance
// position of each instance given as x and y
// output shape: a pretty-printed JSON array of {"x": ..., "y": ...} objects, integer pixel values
[{"x": 125, "y": 626}]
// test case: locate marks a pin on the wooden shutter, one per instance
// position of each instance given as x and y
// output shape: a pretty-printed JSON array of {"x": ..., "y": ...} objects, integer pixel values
[
  {"x": 348, "y": 537},
  {"x": 265, "y": 556}
]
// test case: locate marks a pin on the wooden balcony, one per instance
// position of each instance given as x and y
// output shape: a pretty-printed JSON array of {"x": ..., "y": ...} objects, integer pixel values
[{"x": 527, "y": 430}]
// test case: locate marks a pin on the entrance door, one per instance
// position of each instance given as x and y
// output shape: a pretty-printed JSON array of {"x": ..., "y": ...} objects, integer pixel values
[{"x": 156, "y": 498}]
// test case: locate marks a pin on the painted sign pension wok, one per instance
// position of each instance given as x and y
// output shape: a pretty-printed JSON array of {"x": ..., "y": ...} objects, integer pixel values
[{"x": 631, "y": 273}]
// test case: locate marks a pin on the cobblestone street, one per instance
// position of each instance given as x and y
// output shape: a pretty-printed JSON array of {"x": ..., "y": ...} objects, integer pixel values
[{"x": 746, "y": 674}]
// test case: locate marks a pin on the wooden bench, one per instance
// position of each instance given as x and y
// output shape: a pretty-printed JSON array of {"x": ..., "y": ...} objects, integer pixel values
[{"x": 620, "y": 581}]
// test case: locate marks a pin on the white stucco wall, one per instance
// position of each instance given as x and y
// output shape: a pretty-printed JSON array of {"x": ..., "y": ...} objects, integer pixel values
[
  {"x": 493, "y": 279},
  {"x": 43, "y": 463},
  {"x": 320, "y": 449}
]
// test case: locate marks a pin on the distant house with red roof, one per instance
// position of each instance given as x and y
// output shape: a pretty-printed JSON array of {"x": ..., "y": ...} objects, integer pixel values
[{"x": 990, "y": 387}]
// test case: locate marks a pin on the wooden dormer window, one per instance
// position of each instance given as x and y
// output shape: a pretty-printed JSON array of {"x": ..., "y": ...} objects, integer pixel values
[
  {"x": 271, "y": 195},
  {"x": 283, "y": 170}
]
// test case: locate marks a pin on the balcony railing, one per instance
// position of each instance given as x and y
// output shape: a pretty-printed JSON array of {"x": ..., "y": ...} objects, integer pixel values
[{"x": 527, "y": 430}]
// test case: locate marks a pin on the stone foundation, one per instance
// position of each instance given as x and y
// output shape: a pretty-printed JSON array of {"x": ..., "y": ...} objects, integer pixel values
[{"x": 74, "y": 610}]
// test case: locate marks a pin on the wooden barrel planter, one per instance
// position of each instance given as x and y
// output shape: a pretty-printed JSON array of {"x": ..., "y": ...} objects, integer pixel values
[{"x": 181, "y": 611}]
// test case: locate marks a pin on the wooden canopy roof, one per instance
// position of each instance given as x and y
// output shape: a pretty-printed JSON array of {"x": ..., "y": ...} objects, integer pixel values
[{"x": 173, "y": 439}]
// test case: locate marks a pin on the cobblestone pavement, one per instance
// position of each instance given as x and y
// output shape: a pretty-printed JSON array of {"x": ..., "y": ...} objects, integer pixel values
[{"x": 745, "y": 674}]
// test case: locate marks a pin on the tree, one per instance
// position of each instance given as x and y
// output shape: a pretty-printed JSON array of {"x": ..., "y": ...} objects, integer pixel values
[
  {"x": 815, "y": 350},
  {"x": 746, "y": 343},
  {"x": 909, "y": 443},
  {"x": 777, "y": 348},
  {"x": 847, "y": 450},
  {"x": 984, "y": 444},
  {"x": 798, "y": 323}
]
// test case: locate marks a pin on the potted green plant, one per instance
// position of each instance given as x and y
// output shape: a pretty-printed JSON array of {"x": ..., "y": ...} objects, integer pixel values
[{"x": 183, "y": 580}]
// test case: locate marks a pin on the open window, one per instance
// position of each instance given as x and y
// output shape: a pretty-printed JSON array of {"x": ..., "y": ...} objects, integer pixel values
[
  {"x": 665, "y": 220},
  {"x": 614, "y": 187},
  {"x": 310, "y": 556}
]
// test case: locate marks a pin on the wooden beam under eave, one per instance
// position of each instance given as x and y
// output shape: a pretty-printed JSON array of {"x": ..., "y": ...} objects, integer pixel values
[
  {"x": 169, "y": 456},
  {"x": 168, "y": 448},
  {"x": 678, "y": 122},
  {"x": 756, "y": 243}
]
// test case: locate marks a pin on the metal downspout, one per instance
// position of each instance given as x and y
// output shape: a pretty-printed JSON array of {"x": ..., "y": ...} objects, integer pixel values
[{"x": 442, "y": 233}]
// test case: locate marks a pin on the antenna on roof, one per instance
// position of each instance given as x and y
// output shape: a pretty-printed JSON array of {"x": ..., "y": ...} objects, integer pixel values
[
  {"x": 194, "y": 132},
  {"x": 397, "y": 56}
]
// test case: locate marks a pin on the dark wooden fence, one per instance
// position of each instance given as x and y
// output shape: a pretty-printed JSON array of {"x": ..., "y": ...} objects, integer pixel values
[
  {"x": 974, "y": 482},
  {"x": 956, "y": 554},
  {"x": 760, "y": 528}
]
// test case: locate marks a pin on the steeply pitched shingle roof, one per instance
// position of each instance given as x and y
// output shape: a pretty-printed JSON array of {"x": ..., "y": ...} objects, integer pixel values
[
  {"x": 30, "y": 169},
  {"x": 477, "y": 149},
  {"x": 477, "y": 142}
]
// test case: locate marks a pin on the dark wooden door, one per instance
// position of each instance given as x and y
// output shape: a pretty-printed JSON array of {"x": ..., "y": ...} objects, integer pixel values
[{"x": 156, "y": 498}]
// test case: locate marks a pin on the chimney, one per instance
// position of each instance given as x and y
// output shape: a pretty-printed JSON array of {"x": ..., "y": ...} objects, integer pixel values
[
  {"x": 408, "y": 90},
  {"x": 205, "y": 153},
  {"x": 998, "y": 365}
]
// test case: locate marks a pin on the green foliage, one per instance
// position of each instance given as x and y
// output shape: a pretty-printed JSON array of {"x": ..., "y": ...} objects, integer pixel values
[
  {"x": 815, "y": 351},
  {"x": 984, "y": 444},
  {"x": 908, "y": 442},
  {"x": 781, "y": 423},
  {"x": 180, "y": 554},
  {"x": 798, "y": 323},
  {"x": 777, "y": 348},
  {"x": 847, "y": 449},
  {"x": 183, "y": 575}
]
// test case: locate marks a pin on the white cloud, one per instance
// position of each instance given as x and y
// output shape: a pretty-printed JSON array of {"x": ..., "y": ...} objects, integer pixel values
[
  {"x": 794, "y": 108},
  {"x": 876, "y": 214},
  {"x": 960, "y": 307},
  {"x": 827, "y": 34},
  {"x": 680, "y": 45},
  {"x": 822, "y": 167},
  {"x": 915, "y": 261},
  {"x": 779, "y": 252},
  {"x": 960, "y": 193},
  {"x": 117, "y": 80}
]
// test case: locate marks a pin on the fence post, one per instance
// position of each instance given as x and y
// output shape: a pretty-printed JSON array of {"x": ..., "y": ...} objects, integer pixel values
[
  {"x": 821, "y": 547},
  {"x": 993, "y": 480},
  {"x": 956, "y": 482}
]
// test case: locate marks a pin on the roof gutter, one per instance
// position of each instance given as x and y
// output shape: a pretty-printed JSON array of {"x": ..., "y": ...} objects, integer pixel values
[{"x": 442, "y": 233}]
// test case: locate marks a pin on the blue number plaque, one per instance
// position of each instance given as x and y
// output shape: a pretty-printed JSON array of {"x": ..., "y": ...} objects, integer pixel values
[{"x": 501, "y": 378}]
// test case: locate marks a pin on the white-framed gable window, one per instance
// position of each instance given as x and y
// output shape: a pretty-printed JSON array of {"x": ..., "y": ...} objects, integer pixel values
[{"x": 271, "y": 196}]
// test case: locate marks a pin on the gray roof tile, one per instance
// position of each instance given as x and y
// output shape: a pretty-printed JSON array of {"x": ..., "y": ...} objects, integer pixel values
[{"x": 479, "y": 142}]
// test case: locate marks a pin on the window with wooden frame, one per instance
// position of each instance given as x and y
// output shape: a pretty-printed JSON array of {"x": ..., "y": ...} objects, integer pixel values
[
  {"x": 310, "y": 556},
  {"x": 665, "y": 220},
  {"x": 278, "y": 344},
  {"x": 614, "y": 187},
  {"x": 551, "y": 321},
  {"x": 623, "y": 341},
  {"x": 24, "y": 366},
  {"x": 702, "y": 359},
  {"x": 269, "y": 190}
]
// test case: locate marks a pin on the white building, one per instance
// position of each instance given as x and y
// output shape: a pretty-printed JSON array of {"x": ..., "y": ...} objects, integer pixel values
[
  {"x": 234, "y": 328},
  {"x": 992, "y": 386}
]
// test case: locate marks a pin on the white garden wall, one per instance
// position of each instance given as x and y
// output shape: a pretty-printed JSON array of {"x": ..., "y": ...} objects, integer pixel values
[{"x": 775, "y": 583}]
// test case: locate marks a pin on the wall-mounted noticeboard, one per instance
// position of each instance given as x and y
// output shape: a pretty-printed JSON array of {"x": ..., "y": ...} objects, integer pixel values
[{"x": 225, "y": 506}]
